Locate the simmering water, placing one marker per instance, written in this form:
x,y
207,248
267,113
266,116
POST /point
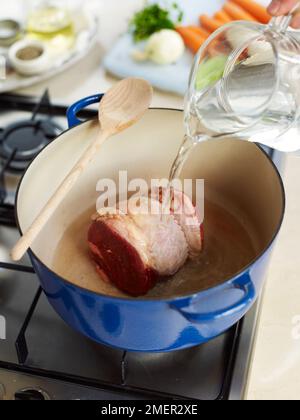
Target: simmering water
x,y
228,247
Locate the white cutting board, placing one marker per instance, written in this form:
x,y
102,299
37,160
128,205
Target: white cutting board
x,y
171,78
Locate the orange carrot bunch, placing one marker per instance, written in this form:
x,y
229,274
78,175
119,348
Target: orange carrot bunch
x,y
195,36
192,38
257,10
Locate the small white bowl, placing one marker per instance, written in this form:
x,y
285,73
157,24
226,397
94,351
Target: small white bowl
x,y
10,32
31,65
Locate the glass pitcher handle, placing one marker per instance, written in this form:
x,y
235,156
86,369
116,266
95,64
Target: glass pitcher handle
x,y
281,23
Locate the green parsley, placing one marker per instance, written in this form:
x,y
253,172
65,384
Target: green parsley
x,y
153,18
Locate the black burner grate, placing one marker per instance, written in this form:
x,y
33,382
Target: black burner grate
x,y
21,141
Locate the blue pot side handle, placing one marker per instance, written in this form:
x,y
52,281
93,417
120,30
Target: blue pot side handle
x,y
74,109
235,309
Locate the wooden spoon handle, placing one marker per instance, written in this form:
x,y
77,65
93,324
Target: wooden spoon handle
x,y
30,235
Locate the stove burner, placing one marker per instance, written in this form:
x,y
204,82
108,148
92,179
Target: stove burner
x,y
24,140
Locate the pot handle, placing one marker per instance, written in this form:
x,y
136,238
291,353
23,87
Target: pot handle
x,y
249,295
74,109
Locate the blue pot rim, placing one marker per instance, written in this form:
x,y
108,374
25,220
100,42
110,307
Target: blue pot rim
x,y
183,298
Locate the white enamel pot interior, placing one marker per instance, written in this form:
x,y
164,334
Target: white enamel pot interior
x,y
236,173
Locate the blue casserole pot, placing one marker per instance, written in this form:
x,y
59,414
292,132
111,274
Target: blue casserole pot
x,y
240,172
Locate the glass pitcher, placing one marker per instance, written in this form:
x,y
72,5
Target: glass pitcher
x,y
245,83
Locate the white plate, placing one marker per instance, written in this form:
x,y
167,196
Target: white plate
x,y
84,43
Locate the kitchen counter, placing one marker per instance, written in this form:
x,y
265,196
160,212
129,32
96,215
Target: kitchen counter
x,y
275,371
275,368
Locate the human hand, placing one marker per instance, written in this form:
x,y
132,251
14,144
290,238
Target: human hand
x,y
283,7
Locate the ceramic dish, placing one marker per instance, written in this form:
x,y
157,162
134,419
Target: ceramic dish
x,y
85,41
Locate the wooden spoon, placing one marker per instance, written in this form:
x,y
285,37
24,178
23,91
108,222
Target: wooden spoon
x,y
121,107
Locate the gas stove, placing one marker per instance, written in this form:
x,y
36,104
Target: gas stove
x,y
41,358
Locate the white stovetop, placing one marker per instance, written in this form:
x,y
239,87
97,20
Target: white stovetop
x,y
275,371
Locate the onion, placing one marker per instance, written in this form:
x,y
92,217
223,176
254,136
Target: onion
x,y
163,47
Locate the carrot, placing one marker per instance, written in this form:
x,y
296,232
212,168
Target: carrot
x,y
223,16
209,23
255,9
191,39
201,31
237,13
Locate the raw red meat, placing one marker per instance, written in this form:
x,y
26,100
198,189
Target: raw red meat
x,y
136,250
